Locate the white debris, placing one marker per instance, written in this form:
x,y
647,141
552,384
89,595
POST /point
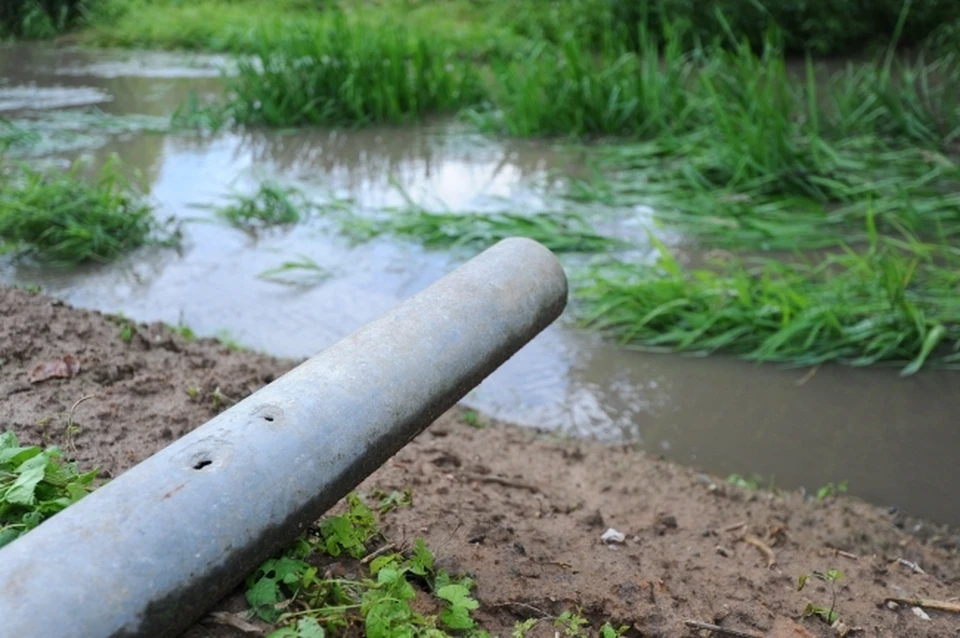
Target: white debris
x,y
613,536
919,613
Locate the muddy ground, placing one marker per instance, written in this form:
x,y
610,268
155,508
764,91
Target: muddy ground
x,y
522,511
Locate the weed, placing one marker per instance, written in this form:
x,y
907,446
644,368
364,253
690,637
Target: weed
x,y
127,332
64,220
193,392
472,418
186,332
829,614
219,401
35,484
272,205
30,289
831,490
290,590
228,341
394,500
752,483
572,624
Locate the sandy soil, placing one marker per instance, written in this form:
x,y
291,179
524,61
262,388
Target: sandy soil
x,y
520,510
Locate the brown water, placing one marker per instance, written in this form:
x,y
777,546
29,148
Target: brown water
x,y
893,439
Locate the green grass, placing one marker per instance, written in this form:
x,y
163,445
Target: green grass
x,y
560,232
13,135
40,19
346,73
893,302
64,219
35,484
271,205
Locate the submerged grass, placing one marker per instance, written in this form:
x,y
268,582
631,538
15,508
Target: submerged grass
x,y
560,232
63,219
271,205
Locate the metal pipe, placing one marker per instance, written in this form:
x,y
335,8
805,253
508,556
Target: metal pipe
x,y
148,553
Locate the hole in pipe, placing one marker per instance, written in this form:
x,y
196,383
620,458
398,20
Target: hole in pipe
x,y
268,418
199,465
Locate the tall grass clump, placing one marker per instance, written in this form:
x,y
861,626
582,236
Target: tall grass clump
x,y
63,219
38,19
574,90
349,73
884,304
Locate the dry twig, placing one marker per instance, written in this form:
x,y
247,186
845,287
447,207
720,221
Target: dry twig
x,y
939,605
383,550
722,631
520,485
764,549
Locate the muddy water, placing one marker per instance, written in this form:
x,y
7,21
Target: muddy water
x,y
891,438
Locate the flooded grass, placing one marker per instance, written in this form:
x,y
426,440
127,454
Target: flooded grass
x,y
560,232
271,205
883,304
63,219
12,135
349,74
301,271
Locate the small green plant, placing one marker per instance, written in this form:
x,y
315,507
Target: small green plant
x,y
63,219
385,502
128,328
30,289
752,483
291,592
573,625
831,489
228,341
272,205
35,484
829,614
472,418
183,330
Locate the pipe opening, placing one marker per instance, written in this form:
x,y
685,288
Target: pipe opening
x,y
202,463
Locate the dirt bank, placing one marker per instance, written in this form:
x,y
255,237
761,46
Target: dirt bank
x,y
520,510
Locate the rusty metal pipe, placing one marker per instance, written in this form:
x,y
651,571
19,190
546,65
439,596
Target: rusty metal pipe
x,y
148,553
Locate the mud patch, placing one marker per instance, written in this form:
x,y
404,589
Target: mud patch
x,y
520,510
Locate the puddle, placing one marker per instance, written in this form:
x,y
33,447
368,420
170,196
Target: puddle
x,y
891,438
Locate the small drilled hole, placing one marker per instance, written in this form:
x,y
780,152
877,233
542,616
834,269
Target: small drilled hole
x,y
268,418
202,464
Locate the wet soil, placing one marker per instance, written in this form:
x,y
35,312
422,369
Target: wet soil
x,y
521,510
